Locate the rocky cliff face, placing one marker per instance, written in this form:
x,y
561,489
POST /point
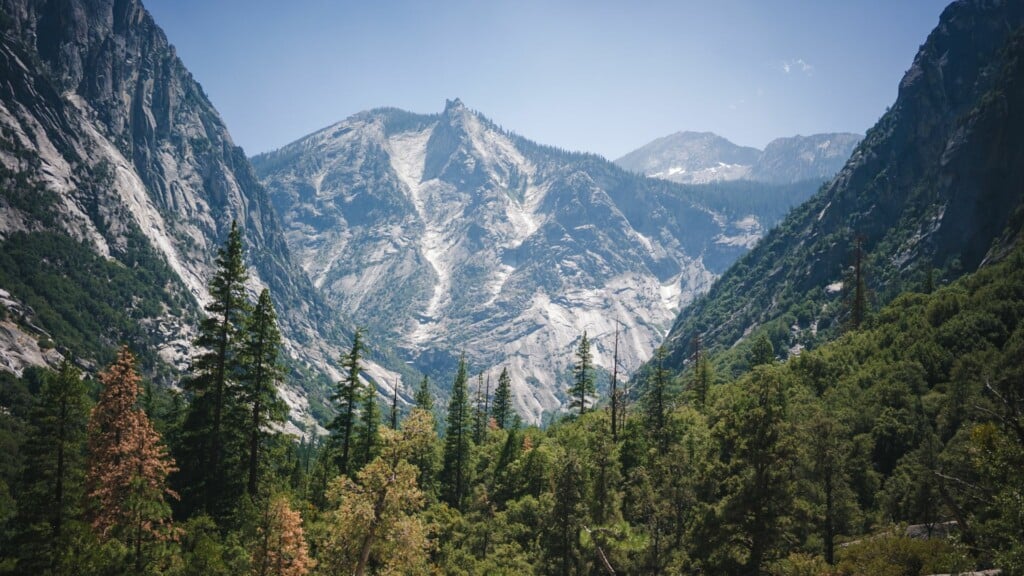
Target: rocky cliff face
x,y
703,157
101,118
446,234
937,185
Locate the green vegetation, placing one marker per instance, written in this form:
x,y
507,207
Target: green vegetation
x,y
812,465
77,295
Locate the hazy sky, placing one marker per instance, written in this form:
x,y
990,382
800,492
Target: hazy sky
x,y
596,76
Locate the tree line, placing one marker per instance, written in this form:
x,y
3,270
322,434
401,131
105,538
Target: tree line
x,y
815,465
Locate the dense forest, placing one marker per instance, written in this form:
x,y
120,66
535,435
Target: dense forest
x,y
896,449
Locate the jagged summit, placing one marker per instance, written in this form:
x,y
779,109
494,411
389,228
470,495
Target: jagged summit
x,y
453,105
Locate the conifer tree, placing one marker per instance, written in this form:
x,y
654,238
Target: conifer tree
x,y
126,476
583,380
614,387
262,372
480,410
562,533
455,473
281,548
701,373
394,407
501,410
212,430
656,400
424,400
367,434
347,396
759,456
54,467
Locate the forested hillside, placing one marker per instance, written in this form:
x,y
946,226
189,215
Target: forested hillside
x,y
812,466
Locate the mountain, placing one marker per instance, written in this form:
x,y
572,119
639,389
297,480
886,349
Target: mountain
x,y
935,190
691,158
702,157
120,182
445,234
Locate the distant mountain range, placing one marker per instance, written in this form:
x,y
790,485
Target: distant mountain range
x,y
702,157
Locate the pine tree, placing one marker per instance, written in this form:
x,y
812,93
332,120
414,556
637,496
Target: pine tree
x,y
212,429
367,433
614,387
656,400
54,467
480,410
347,396
562,534
281,548
394,407
262,372
455,473
583,380
701,374
759,454
126,477
855,287
424,400
502,407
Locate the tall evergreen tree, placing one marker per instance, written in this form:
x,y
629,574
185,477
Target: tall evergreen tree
x,y
367,433
855,287
756,440
126,477
583,380
614,387
262,373
394,407
54,467
424,400
701,374
455,473
212,427
480,415
347,396
501,410
562,551
656,400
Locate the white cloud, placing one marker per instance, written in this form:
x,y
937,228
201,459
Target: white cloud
x,y
798,65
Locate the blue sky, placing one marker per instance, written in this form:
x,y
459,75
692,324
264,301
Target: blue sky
x,y
595,76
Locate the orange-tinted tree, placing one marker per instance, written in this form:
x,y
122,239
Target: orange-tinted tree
x,y
126,476
281,549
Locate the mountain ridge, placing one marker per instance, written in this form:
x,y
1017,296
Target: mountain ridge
x,y
703,157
